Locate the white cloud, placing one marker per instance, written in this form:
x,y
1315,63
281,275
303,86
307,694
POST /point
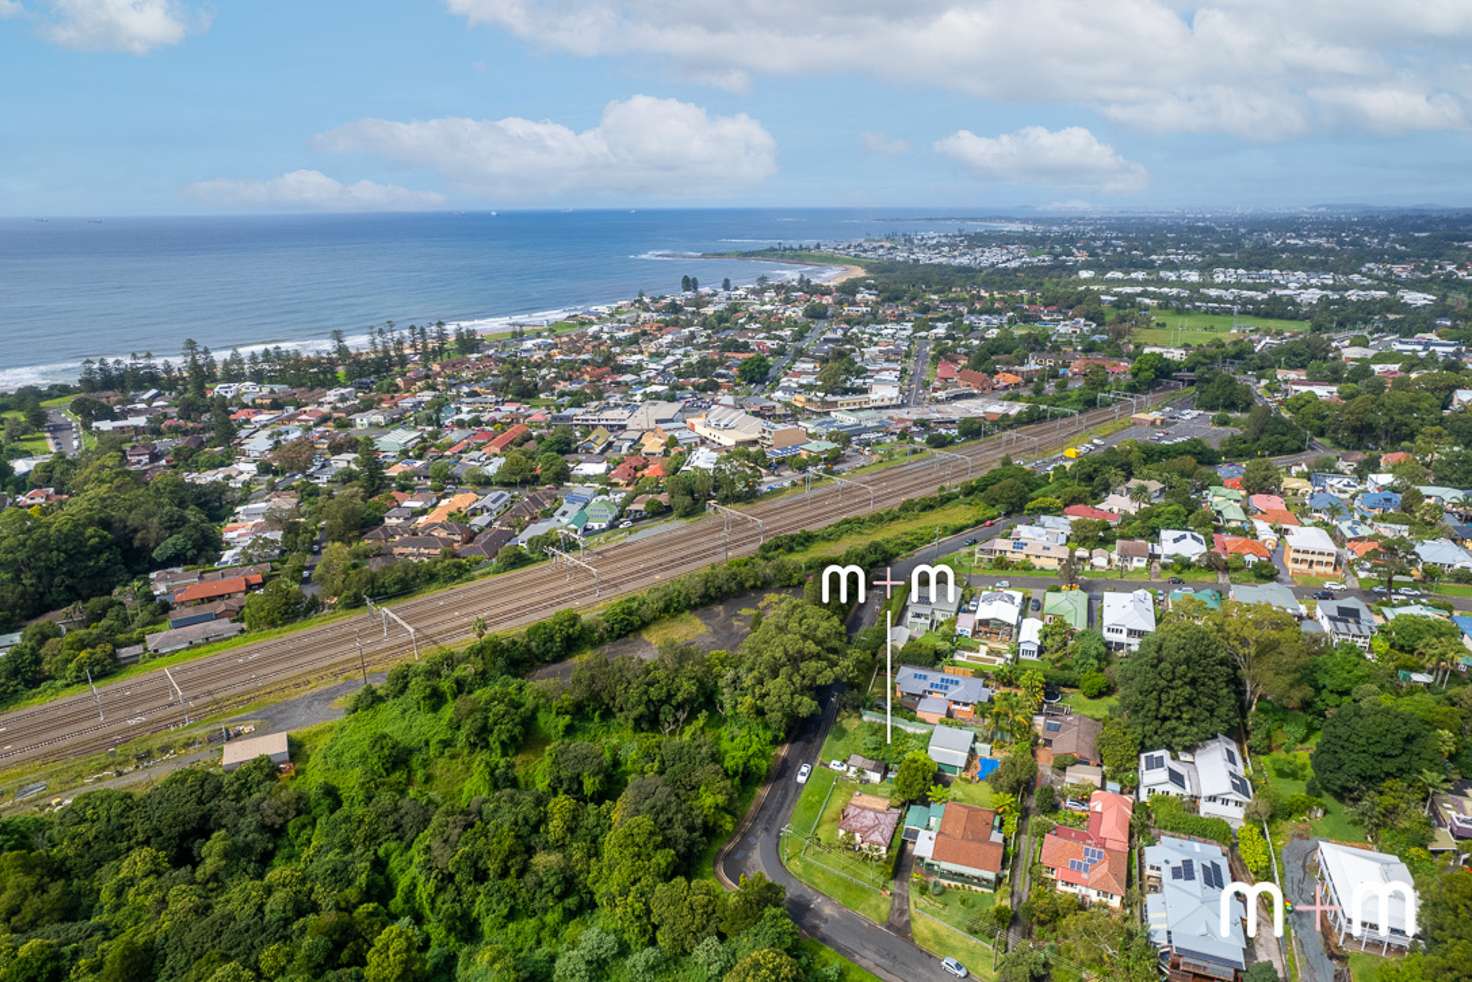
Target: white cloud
x,y
884,146
9,8
310,190
1391,109
641,145
133,26
1247,67
1066,158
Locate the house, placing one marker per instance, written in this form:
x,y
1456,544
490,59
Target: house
x,y
922,818
1310,551
935,695
1181,544
1043,552
1451,819
1184,882
998,613
950,748
1132,554
1346,620
1092,863
1069,606
1343,872
868,823
1078,865
967,848
208,591
177,639
869,771
1273,594
1075,735
1090,513
1444,553
270,745
931,606
1212,775
1127,618
1030,639
1252,551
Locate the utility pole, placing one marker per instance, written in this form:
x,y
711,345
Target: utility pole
x,y
727,514
953,456
386,614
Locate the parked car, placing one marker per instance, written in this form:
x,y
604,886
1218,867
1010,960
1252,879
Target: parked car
x,y
1037,604
803,772
837,765
1175,580
1003,584
1380,590
1323,594
970,542
954,967
1334,586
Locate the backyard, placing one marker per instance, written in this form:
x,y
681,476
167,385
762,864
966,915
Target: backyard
x,y
811,852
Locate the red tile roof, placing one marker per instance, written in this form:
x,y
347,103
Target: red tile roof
x,y
212,589
965,838
1090,512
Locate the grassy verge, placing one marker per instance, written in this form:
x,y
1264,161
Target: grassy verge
x,y
933,927
824,957
943,517
1365,967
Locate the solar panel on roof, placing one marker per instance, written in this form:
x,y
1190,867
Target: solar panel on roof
x,y
1178,779
1093,855
1231,757
1240,785
1154,761
1175,872
1212,874
1075,865
1188,870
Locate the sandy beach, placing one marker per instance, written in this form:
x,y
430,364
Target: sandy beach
x,y
847,273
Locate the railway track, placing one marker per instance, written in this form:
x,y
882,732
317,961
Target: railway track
x,y
152,702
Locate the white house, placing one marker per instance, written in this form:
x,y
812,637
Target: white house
x,y
1212,776
1181,544
1128,617
1030,639
1355,880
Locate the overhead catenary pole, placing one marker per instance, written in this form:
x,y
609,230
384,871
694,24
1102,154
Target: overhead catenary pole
x,y
575,561
179,692
845,482
95,697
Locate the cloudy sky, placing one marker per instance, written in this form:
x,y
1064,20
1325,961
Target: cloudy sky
x,y
190,106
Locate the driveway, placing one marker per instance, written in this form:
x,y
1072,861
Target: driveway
x,y
1314,963
899,904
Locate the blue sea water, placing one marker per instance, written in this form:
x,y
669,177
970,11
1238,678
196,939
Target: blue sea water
x,y
73,288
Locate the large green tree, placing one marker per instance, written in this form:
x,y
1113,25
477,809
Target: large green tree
x,y
1180,688
1365,744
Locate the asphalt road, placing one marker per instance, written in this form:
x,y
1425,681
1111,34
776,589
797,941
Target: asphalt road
x,y
61,433
757,847
919,368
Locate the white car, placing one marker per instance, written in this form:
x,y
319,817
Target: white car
x,y
954,968
837,765
803,772
1003,584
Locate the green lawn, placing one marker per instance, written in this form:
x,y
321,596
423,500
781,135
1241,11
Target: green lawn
x,y
825,865
674,630
937,924
1094,708
1115,574
978,793
1336,823
1176,328
1194,575
1452,589
1365,967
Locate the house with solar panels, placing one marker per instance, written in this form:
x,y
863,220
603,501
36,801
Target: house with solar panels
x,y
1184,881
1212,776
1092,863
934,695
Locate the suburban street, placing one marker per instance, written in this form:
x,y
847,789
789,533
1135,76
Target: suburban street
x,y
919,369
757,847
61,433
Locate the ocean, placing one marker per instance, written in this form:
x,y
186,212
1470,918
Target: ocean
x,y
74,288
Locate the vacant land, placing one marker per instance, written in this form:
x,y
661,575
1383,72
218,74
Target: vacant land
x,y
1174,328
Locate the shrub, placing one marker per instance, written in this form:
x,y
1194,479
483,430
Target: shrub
x,y
1170,815
1093,684
1254,850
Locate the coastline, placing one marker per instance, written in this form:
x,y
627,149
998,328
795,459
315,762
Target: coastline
x,y
494,327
